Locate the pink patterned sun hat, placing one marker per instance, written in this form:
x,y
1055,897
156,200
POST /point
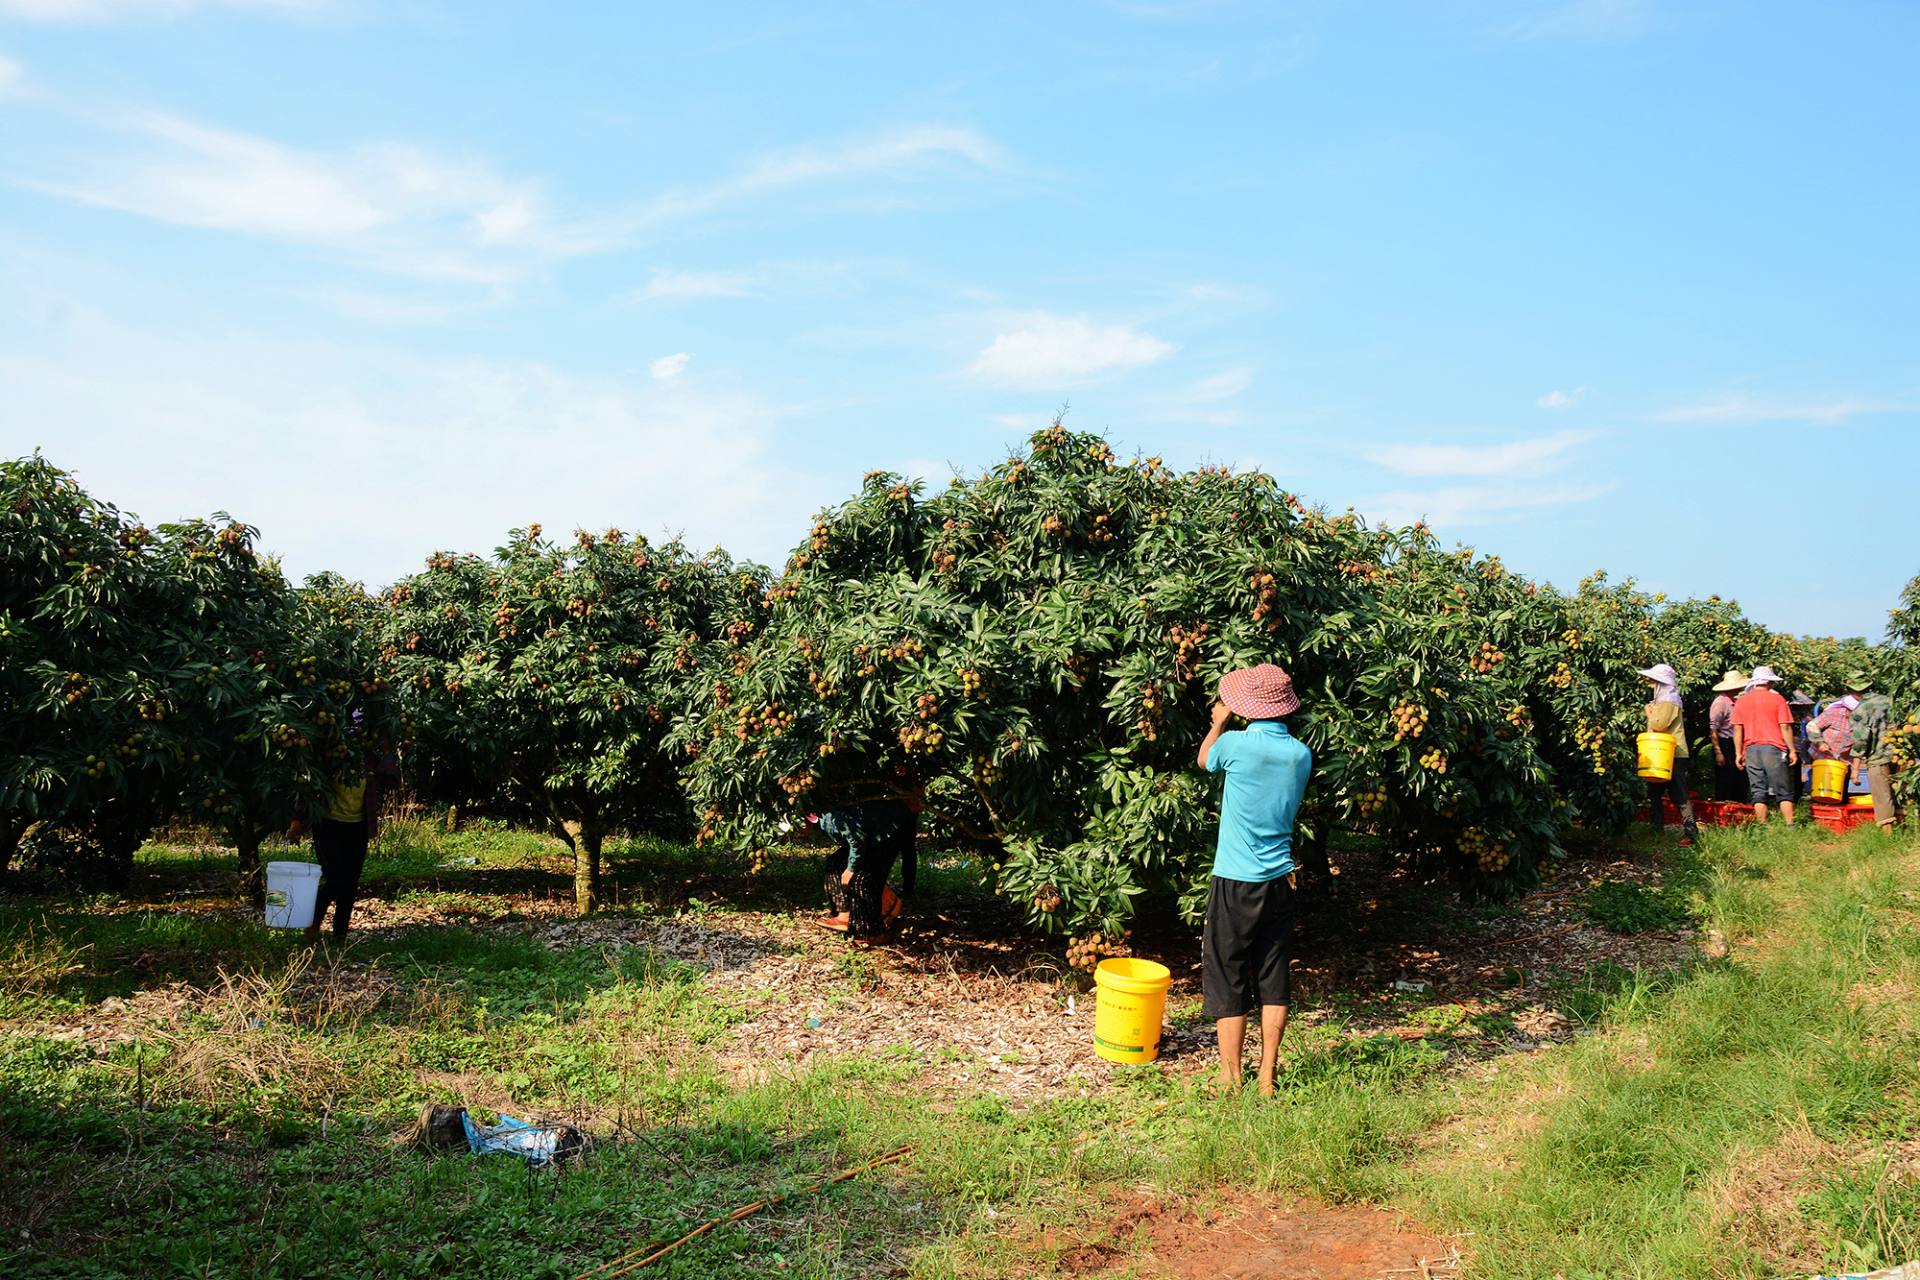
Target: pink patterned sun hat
x,y
1264,692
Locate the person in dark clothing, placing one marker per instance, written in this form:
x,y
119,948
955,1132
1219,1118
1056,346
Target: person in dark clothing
x,y
1798,778
871,838
345,827
1729,779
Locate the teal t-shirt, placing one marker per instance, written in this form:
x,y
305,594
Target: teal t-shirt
x,y
1266,770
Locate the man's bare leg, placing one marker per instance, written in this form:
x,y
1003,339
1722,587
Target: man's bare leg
x,y
1759,813
1273,1025
1233,1036
1786,812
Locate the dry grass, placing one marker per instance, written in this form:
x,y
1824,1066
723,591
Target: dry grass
x,y
244,1036
1756,1199
34,960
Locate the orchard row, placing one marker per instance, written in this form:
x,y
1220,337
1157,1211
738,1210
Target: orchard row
x,y
1032,652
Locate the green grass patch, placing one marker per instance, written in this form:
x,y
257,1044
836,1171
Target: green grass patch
x,y
250,1135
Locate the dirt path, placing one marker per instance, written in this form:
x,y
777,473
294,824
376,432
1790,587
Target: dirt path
x,y
1251,1239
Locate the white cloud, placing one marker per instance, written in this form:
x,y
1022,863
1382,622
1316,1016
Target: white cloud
x,y
1515,458
1224,385
1743,408
12,76
1045,349
1460,506
383,308
431,452
387,205
101,11
701,284
895,153
668,284
1555,400
398,208
667,368
1205,402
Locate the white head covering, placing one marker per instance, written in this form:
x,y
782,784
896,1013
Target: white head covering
x,y
1663,675
1763,674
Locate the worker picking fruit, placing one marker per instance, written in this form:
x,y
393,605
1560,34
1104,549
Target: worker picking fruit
x,y
1249,928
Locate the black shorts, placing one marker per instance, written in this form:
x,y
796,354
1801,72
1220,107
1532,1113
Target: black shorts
x,y
1246,947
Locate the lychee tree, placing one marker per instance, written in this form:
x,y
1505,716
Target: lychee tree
x,y
1900,673
1035,651
266,687
541,682
154,673
82,608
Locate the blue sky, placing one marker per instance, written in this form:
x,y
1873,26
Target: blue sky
x,y
1589,283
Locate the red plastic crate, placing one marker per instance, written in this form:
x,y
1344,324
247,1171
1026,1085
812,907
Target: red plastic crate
x,y
1842,817
1722,813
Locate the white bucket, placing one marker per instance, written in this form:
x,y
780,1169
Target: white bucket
x,y
292,889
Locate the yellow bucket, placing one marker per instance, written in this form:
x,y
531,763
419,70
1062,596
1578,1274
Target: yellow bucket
x,y
1830,780
1126,1017
1656,756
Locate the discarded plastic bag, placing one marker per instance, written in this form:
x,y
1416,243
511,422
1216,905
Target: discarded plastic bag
x,y
444,1128
534,1143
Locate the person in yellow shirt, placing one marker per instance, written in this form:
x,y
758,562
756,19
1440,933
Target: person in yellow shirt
x,y
348,818
1666,713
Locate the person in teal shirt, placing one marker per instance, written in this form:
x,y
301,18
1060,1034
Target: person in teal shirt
x,y
1245,949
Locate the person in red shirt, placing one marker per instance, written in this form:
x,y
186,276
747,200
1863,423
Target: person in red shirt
x,y
1763,744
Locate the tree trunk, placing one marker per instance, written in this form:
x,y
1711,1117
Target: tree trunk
x,y
586,838
246,843
1313,853
12,828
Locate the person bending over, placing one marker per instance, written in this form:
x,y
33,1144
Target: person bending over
x,y
871,838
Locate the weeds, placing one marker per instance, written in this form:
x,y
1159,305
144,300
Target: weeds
x,y
34,960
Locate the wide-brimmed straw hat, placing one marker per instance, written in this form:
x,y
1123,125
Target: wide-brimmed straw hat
x,y
1733,682
1763,674
1859,682
1264,692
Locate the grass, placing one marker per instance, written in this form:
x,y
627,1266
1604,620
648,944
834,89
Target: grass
x,y
1692,1075
1673,902
1724,1118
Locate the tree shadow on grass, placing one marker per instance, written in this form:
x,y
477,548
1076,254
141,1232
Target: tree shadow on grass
x,y
93,1184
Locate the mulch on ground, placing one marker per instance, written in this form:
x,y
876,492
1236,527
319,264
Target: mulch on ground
x,y
970,1001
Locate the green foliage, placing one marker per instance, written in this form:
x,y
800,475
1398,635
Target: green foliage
x,y
82,605
1031,653
158,672
146,673
1627,907
541,682
1034,652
